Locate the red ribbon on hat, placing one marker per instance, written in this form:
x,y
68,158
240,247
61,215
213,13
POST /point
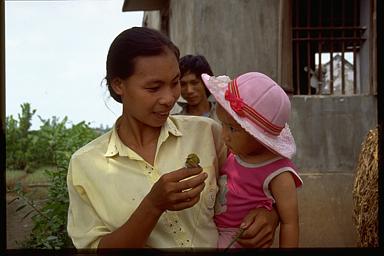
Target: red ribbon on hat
x,y
241,108
237,104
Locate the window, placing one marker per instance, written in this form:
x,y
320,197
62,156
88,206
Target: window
x,y
327,41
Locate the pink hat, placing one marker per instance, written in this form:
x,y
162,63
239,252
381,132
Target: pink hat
x,y
259,105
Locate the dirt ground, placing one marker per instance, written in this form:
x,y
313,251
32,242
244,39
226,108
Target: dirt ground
x,y
17,228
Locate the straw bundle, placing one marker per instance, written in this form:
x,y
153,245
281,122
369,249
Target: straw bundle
x,y
365,192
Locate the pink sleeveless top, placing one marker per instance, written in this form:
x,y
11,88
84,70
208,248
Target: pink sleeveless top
x,y
245,186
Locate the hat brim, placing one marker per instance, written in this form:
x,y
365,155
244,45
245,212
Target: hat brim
x,y
283,144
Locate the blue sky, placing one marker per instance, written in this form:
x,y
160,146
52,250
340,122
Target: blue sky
x,y
55,57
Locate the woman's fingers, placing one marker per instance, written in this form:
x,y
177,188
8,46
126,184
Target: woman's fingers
x,y
181,174
261,239
260,227
191,182
179,189
188,201
191,193
187,198
184,179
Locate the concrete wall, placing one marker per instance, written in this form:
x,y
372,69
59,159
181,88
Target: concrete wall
x,y
325,207
152,19
329,131
238,36
235,36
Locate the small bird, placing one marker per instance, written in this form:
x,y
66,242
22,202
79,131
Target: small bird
x,y
192,161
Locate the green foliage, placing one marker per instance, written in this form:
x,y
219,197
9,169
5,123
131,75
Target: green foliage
x,y
53,232
18,139
49,229
52,145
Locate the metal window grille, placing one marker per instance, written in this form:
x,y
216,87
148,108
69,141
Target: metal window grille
x,y
327,37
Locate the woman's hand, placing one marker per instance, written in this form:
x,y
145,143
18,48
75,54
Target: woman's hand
x,y
173,191
260,226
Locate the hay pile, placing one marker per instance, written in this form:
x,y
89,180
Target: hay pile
x,y
365,193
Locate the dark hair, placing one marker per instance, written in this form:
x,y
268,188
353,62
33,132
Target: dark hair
x,y
197,65
130,44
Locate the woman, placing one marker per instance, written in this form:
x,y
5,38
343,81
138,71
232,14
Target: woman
x,y
129,188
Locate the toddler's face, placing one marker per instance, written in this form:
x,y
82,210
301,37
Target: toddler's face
x,y
239,141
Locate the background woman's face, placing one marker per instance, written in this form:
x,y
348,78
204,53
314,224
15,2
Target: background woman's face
x,y
150,93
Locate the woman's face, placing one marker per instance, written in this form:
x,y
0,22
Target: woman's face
x,y
150,93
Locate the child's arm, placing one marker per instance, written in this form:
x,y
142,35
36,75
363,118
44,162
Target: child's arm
x,y
284,192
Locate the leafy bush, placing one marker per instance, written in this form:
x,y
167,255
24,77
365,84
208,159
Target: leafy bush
x,y
18,139
53,144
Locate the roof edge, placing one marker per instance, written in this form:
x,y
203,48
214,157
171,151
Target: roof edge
x,y
143,5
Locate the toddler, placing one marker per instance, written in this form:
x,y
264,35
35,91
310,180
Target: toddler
x,y
258,172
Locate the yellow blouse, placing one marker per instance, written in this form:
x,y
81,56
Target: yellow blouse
x,y
107,181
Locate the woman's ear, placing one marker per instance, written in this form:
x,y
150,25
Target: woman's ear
x,y
117,86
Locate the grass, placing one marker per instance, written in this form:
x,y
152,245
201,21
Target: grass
x,y
12,177
38,176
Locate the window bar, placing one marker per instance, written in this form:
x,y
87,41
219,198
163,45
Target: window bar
x,y
342,50
320,74
319,45
338,39
334,28
297,35
297,68
308,48
355,16
372,60
331,54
